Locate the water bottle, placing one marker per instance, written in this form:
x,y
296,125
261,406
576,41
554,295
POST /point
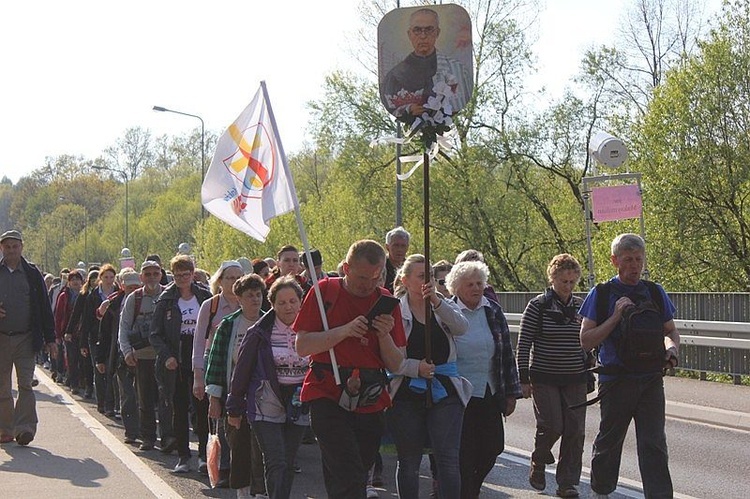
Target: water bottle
x,y
296,408
296,402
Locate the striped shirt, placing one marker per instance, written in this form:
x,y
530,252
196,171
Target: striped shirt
x,y
549,347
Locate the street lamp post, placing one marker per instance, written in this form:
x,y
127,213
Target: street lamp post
x,y
125,177
203,135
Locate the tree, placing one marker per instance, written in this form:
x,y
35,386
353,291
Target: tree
x,y
694,145
132,153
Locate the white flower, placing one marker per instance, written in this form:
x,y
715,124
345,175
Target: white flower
x,y
442,88
433,103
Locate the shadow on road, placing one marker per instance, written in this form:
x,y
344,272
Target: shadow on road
x,y
42,463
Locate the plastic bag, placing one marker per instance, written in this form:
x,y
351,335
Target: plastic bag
x,y
213,454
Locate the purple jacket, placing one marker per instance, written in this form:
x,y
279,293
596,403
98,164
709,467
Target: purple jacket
x,y
255,389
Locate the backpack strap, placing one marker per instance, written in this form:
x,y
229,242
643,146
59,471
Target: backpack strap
x,y
603,290
656,296
331,292
138,299
544,304
212,313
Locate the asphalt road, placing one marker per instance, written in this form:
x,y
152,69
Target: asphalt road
x,y
79,453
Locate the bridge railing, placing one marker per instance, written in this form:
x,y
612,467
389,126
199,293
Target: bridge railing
x,y
706,346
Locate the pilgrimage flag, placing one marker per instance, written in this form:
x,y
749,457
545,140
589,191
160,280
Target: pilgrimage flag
x,y
246,184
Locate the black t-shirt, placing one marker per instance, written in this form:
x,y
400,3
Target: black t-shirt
x,y
415,349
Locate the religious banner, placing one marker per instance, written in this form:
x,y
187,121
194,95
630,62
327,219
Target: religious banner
x,y
425,67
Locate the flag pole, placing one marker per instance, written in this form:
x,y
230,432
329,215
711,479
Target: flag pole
x,y
302,232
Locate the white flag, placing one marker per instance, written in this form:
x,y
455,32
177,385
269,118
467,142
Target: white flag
x,y
246,184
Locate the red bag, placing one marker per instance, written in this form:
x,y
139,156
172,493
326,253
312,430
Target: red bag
x,y
213,454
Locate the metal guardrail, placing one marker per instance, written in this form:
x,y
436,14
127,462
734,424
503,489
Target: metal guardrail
x,y
706,346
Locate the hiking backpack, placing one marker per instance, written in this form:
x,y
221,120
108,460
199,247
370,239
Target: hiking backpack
x,y
639,337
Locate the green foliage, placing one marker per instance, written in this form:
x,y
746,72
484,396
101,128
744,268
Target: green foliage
x,y
694,147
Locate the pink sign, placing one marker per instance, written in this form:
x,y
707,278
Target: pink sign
x,y
617,202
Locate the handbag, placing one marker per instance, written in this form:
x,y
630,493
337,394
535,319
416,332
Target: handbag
x,y
213,453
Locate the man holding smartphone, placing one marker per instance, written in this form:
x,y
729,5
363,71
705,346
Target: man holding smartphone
x,y
348,419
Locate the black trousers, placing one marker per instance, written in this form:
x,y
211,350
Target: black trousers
x,y
348,443
482,440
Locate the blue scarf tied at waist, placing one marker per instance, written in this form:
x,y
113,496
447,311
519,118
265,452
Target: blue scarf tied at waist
x,y
419,385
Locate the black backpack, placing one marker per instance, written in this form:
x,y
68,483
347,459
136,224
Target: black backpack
x,y
639,338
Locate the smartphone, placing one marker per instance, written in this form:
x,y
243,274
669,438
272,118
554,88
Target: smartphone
x,y
384,305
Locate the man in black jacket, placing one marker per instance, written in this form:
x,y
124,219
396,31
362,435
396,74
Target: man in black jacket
x,y
26,325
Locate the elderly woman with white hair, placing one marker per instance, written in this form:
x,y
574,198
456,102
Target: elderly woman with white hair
x,y
485,357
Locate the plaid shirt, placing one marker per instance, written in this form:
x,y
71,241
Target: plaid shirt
x,y
219,357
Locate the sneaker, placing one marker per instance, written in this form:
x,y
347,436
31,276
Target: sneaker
x,y
566,491
202,466
130,440
372,493
168,445
182,466
223,482
146,445
244,493
537,477
24,438
47,365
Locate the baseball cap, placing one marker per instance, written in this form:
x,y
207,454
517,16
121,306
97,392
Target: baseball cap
x,y
131,279
11,234
149,263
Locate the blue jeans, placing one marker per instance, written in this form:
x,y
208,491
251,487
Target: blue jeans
x,y
411,423
279,443
626,399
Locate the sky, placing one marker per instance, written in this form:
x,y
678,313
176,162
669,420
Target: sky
x,y
77,74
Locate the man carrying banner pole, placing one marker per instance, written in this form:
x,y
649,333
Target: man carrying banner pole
x,y
247,184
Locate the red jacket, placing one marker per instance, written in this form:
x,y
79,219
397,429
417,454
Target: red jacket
x,y
63,311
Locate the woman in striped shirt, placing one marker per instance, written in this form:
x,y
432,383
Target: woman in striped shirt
x,y
551,364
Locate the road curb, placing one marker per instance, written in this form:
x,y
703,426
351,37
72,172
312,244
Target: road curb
x,y
710,415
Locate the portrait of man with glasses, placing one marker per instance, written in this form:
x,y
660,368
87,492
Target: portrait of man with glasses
x,y
434,60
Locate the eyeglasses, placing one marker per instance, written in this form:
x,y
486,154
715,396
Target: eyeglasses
x,y
423,30
182,275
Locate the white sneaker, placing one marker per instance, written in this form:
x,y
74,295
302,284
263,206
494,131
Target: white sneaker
x,y
372,492
183,465
244,493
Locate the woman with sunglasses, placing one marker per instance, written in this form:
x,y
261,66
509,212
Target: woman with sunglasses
x,y
555,377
